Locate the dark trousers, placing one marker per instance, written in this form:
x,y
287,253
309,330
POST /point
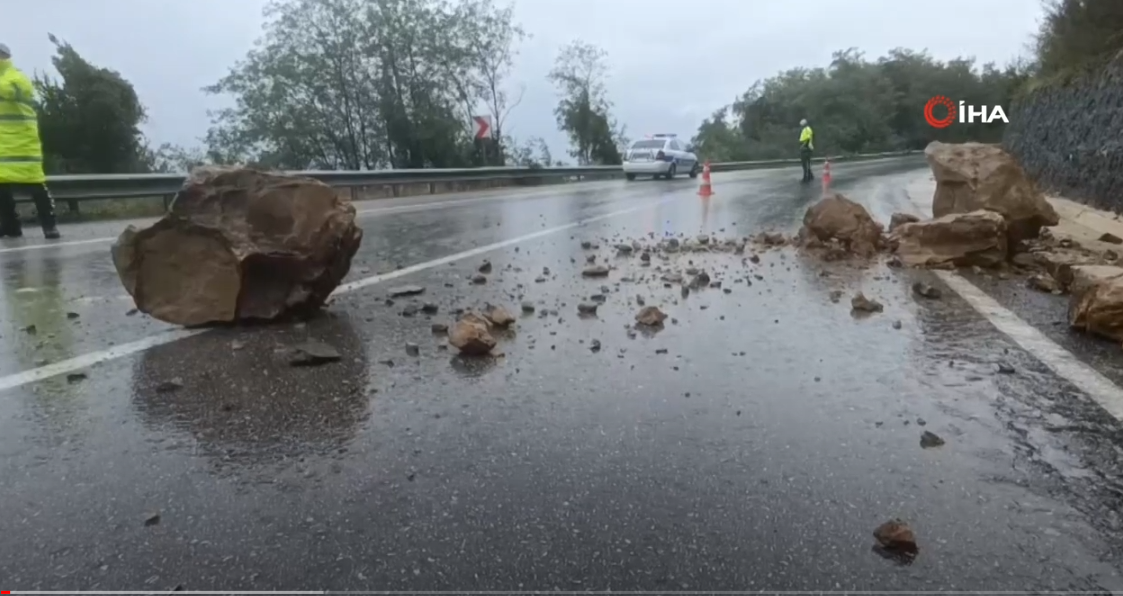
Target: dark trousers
x,y
44,207
805,161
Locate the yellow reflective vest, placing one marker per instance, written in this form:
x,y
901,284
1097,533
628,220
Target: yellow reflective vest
x,y
21,153
807,138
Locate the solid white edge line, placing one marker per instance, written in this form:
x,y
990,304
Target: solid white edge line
x,y
87,360
1062,362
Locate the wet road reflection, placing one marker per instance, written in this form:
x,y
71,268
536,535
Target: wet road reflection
x,y
753,443
241,400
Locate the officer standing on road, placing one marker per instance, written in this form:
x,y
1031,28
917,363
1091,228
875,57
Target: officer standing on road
x,y
806,146
21,152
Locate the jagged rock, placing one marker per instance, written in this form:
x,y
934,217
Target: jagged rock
x,y
439,328
312,353
1110,238
1082,277
897,537
974,176
703,239
400,291
471,336
585,244
772,239
1096,304
1043,282
595,271
956,240
650,316
624,248
528,307
926,291
587,308
239,244
899,219
479,279
498,316
485,267
840,219
859,303
930,439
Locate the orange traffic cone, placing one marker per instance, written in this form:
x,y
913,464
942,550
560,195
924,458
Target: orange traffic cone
x,y
826,176
706,190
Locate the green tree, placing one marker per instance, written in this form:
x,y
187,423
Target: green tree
x,y
366,84
89,118
1075,33
856,106
579,76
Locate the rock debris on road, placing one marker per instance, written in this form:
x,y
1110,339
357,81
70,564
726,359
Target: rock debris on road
x,y
545,428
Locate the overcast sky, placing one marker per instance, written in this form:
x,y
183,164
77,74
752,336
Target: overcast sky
x,y
673,62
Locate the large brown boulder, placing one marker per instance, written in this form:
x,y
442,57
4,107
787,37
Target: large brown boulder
x,y
1096,304
973,176
956,240
840,219
239,244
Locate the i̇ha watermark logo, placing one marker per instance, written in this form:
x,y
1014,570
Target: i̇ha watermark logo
x,y
960,113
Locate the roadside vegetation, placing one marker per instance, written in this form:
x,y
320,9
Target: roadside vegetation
x,y
859,105
363,84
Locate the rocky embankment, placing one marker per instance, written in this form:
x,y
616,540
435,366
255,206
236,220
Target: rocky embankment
x,y
1067,137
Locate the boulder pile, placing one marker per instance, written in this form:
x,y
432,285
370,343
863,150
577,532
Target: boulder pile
x,y
239,244
974,176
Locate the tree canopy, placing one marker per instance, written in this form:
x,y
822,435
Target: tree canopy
x,y
1078,33
856,105
579,76
89,118
367,84
370,84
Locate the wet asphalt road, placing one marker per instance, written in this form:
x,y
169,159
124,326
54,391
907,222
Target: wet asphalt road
x,y
752,444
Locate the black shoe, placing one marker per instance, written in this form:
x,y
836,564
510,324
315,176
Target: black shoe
x,y
51,234
11,234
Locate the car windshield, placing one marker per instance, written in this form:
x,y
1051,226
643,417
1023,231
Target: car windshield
x,y
648,145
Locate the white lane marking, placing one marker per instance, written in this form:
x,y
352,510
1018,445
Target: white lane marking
x,y
87,360
56,244
1061,361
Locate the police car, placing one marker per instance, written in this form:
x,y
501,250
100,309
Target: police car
x,y
661,155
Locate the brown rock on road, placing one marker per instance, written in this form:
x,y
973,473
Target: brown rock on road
x,y
956,240
1096,304
650,316
840,219
471,336
239,244
974,176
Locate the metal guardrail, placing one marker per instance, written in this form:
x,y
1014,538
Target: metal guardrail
x,y
123,186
